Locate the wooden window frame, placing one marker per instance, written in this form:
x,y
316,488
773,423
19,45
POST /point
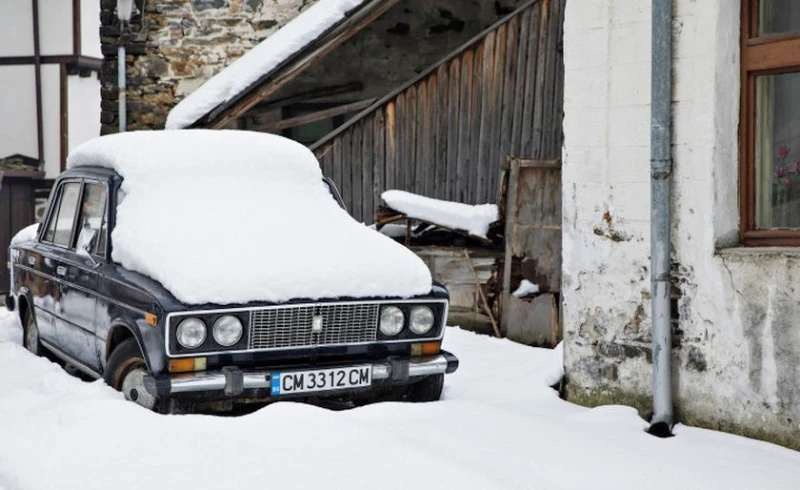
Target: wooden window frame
x,y
760,55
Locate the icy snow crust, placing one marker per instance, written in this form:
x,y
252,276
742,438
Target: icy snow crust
x,y
233,216
474,219
260,60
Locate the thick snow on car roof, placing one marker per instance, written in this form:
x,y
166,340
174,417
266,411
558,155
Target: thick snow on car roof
x,y
234,216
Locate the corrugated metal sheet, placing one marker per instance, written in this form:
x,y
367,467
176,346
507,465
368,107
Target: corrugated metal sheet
x,y
448,133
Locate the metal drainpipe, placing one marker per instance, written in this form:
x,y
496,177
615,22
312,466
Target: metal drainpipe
x,y
121,82
660,177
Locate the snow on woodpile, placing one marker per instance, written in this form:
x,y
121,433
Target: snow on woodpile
x,y
236,216
259,61
474,219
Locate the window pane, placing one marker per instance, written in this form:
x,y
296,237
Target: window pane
x,y
51,226
93,211
66,214
778,151
778,17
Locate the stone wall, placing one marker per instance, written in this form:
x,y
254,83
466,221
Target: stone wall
x,y
736,349
177,45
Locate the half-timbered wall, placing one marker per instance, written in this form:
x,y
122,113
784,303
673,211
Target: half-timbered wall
x,y
447,133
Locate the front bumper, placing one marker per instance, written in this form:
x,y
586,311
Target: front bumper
x,y
232,382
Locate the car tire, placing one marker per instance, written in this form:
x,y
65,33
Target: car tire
x,y
30,335
125,372
427,390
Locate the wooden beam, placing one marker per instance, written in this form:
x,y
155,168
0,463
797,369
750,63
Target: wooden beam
x,y
76,27
220,117
64,120
310,95
316,116
86,62
37,63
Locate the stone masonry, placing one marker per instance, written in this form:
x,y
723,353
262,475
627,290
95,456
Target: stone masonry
x,y
179,44
175,46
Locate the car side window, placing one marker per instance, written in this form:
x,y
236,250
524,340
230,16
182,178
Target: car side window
x,y
59,228
92,218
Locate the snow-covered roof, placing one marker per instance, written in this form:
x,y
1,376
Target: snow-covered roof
x,y
235,216
260,61
474,219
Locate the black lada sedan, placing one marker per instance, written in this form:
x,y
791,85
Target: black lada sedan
x,y
181,267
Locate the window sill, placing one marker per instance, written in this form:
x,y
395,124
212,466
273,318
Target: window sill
x,y
758,251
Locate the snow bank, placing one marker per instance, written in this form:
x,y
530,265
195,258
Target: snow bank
x,y
473,219
499,427
26,234
235,216
259,61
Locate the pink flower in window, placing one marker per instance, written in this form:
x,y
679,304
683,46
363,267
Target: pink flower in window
x,y
781,171
783,151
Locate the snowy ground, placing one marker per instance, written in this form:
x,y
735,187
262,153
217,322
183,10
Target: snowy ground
x,y
499,426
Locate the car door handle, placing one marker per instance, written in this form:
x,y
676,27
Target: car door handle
x,y
61,270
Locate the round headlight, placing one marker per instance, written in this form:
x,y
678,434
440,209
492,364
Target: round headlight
x,y
392,319
227,330
191,332
421,320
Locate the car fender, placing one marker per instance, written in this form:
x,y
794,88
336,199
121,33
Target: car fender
x,y
150,359
23,294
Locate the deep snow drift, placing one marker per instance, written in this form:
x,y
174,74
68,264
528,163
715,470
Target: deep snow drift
x,y
499,427
236,216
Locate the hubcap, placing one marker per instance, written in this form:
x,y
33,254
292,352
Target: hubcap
x,y
32,337
134,390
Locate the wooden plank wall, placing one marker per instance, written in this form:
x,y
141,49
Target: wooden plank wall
x,y
447,134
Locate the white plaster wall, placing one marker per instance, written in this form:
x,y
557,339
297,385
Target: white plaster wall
x,y
55,26
738,364
84,109
90,29
17,111
16,29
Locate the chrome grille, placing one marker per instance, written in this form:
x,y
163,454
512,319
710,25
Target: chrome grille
x,y
287,327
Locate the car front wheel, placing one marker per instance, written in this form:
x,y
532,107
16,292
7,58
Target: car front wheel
x,y
125,372
30,332
427,390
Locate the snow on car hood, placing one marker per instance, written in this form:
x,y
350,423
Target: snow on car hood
x,y
235,216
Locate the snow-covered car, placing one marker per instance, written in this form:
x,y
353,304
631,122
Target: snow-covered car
x,y
191,268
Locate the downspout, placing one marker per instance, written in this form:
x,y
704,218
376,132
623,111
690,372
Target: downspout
x,y
124,12
122,86
660,177
37,62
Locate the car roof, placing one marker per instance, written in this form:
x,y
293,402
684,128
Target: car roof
x,y
101,173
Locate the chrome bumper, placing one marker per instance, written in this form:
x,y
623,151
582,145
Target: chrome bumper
x,y
233,381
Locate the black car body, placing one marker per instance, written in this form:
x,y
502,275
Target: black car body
x,y
111,322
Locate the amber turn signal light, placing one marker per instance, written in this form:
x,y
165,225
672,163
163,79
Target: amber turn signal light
x,y
187,364
151,319
425,348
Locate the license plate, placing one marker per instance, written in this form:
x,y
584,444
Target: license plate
x,y
320,380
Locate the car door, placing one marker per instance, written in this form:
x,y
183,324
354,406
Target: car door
x,y
81,276
54,242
